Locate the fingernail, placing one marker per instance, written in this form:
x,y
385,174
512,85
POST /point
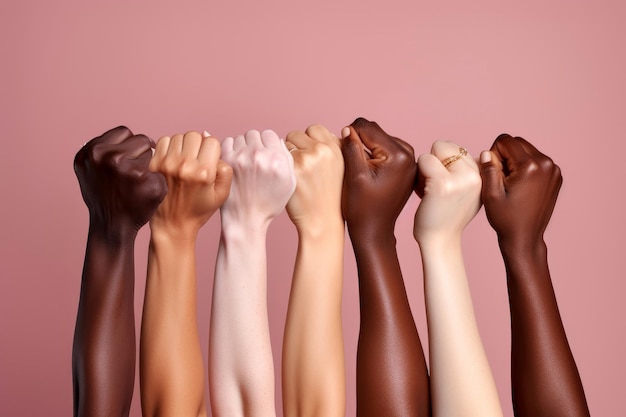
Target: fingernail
x,y
345,132
485,157
153,150
205,134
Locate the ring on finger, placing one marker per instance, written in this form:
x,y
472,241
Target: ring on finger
x,y
449,161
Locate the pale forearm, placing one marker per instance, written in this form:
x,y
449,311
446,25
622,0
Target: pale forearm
x,y
241,368
171,361
313,359
461,379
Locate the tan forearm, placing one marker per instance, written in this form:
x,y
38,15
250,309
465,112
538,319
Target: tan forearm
x,y
172,373
313,357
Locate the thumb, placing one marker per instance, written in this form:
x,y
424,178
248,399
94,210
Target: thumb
x,y
223,177
492,175
352,149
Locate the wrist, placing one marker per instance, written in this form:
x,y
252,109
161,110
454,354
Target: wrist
x,y
439,242
320,230
112,235
521,246
177,233
372,239
370,230
244,231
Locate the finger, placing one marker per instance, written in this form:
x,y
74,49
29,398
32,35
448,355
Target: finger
x,y
239,143
159,154
209,152
529,147
133,147
191,144
223,177
270,139
176,145
492,174
253,139
300,140
508,148
352,149
405,145
320,133
290,158
114,136
452,155
372,135
429,166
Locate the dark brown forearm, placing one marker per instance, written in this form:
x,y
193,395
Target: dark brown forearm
x,y
544,375
392,378
103,357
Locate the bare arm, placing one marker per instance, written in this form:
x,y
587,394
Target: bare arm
x,y
241,370
461,379
121,195
392,379
313,359
172,373
520,188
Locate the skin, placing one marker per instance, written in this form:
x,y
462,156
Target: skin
x,y
313,358
241,369
172,372
121,194
380,171
520,189
461,382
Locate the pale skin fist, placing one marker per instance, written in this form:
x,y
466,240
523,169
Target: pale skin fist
x,y
119,190
263,177
450,196
319,172
198,181
520,189
379,176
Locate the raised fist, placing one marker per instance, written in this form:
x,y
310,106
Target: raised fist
x,y
119,190
379,178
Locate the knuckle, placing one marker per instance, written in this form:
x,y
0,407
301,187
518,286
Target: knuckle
x,y
293,134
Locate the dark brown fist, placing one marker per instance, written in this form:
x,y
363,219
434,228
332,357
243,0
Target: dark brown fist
x,y
520,188
380,173
119,190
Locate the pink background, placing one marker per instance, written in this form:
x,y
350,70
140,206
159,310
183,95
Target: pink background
x,y
552,72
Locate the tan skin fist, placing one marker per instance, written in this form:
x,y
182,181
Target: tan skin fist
x,y
198,181
319,167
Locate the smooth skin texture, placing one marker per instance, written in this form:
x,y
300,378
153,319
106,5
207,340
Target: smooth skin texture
x,y
121,194
461,382
241,369
520,189
172,372
380,172
313,371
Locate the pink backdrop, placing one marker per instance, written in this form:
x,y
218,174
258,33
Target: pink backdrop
x,y
467,71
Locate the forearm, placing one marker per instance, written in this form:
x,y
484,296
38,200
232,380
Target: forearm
x,y
392,378
313,357
172,372
544,375
103,357
241,370
461,379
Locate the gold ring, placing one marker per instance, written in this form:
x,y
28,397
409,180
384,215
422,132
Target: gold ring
x,y
449,161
